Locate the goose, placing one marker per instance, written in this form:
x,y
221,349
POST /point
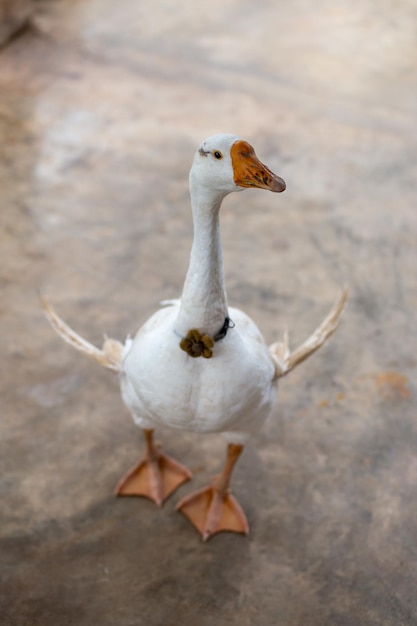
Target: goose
x,y
198,364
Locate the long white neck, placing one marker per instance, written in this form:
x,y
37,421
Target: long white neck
x,y
203,300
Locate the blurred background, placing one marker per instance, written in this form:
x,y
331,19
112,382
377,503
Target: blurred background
x,y
102,106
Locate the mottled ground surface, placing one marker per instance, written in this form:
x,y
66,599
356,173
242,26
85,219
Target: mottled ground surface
x,y
102,105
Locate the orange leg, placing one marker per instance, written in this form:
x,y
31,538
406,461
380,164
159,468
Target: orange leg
x,y
213,508
156,476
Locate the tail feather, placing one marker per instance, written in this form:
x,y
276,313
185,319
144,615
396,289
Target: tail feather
x,y
110,356
285,361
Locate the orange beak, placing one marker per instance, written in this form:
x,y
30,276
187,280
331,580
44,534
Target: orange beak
x,y
250,172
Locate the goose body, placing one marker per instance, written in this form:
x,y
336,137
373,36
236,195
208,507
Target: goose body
x,y
196,364
232,392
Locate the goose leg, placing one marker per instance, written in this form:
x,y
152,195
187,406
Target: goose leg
x,y
156,476
214,509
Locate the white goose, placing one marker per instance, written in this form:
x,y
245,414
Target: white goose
x,y
197,364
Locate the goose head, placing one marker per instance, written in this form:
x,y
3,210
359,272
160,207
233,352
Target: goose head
x,y
225,163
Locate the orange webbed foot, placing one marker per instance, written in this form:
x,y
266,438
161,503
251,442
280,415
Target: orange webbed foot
x,y
156,476
212,512
213,509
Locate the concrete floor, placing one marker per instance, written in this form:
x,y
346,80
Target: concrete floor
x,y
102,105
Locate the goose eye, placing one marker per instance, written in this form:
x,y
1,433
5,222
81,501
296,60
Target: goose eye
x,y
217,155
